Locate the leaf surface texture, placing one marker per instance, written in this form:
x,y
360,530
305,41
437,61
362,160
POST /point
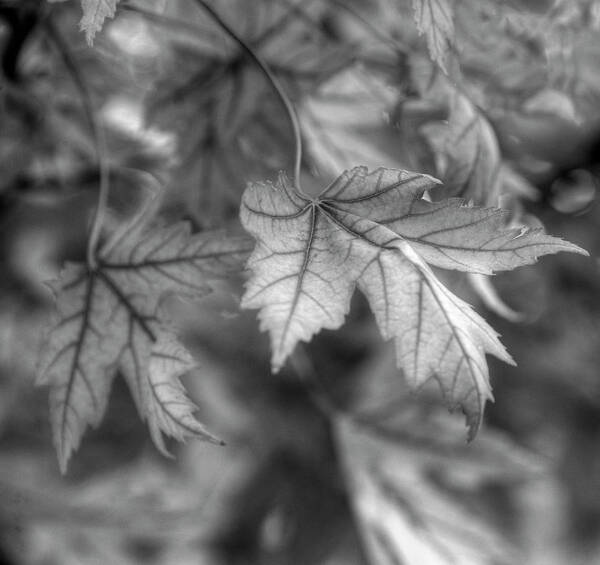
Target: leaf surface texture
x,y
375,231
111,319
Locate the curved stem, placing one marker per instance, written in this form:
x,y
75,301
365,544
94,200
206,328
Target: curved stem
x,y
99,139
102,204
293,117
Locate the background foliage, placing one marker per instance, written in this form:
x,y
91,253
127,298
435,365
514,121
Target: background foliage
x,y
498,99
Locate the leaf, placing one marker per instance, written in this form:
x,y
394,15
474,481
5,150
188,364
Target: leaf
x,y
505,49
467,153
435,19
162,396
434,439
375,231
110,319
403,515
344,121
231,95
483,287
94,14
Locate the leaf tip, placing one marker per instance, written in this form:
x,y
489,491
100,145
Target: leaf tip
x,y
159,442
434,180
64,456
210,438
502,353
579,250
279,356
474,421
472,432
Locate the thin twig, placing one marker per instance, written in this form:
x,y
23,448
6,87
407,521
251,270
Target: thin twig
x,y
272,80
99,140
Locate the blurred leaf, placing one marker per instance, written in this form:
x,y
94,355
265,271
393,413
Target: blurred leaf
x,y
501,52
406,518
128,514
469,148
376,231
110,319
553,102
574,193
435,19
434,440
484,288
213,96
347,120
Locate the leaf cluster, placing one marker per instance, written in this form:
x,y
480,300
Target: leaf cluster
x,y
386,97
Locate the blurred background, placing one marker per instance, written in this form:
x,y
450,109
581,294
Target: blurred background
x,y
333,460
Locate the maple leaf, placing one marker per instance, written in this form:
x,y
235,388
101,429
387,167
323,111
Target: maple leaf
x,y
435,19
94,14
375,231
110,319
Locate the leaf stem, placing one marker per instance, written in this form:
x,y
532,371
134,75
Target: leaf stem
x,y
99,141
263,66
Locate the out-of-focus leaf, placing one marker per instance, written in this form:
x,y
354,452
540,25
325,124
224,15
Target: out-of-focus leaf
x,y
575,193
403,516
467,154
376,231
573,68
429,436
501,54
433,439
484,288
110,319
516,186
435,19
518,52
552,102
347,120
213,97
124,515
94,14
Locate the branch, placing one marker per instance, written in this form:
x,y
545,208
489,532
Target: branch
x,y
99,140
